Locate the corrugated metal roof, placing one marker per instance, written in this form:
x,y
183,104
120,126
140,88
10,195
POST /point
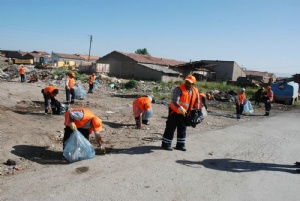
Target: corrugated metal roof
x,y
152,60
68,56
160,68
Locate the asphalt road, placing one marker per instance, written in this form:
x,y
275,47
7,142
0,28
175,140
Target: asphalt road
x,y
253,160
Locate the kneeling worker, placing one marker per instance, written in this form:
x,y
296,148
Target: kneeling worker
x,y
86,122
49,97
142,110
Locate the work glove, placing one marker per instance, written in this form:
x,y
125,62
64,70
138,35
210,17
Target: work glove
x,y
182,111
67,88
268,101
72,126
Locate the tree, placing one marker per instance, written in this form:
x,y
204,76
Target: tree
x,y
142,51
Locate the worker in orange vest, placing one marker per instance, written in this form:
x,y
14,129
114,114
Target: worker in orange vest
x,y
269,99
202,100
49,94
85,121
142,110
185,98
22,73
91,83
239,104
70,91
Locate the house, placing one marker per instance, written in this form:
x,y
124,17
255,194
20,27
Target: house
x,y
38,57
137,66
59,59
88,58
225,70
197,69
262,77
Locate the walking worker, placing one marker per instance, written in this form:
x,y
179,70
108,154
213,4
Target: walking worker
x,y
49,94
22,73
258,96
185,98
91,83
86,122
269,99
239,104
70,91
142,110
202,100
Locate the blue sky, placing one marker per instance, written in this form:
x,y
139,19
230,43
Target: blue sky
x,y
261,35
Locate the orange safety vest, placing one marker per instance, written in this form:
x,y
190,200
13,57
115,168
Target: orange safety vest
x,y
22,70
50,90
185,99
270,94
91,79
202,96
87,115
71,82
143,103
241,97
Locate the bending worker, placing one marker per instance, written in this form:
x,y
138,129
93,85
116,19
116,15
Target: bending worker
x,y
269,99
142,110
49,94
91,83
202,100
70,84
185,98
86,122
239,104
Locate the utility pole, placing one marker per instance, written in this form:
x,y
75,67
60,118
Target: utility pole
x,y
91,39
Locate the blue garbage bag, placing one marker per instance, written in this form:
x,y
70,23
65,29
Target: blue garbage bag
x,y
248,109
78,148
80,92
96,84
147,114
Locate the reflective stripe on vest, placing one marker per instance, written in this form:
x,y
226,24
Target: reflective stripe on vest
x,y
270,95
87,116
185,99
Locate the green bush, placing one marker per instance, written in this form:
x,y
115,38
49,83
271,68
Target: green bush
x,y
130,84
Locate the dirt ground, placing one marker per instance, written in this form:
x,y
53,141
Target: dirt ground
x,y
34,140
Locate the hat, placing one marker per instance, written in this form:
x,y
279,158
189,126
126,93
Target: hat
x,y
242,89
190,79
150,98
268,87
97,124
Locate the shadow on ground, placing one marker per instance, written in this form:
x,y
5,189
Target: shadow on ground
x,y
238,166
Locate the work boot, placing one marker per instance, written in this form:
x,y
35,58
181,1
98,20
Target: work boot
x,y
267,114
167,148
298,170
72,101
180,147
145,122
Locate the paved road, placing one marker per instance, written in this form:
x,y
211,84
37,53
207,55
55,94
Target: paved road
x,y
249,161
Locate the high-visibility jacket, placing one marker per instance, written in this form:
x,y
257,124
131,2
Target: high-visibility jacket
x,y
270,95
70,82
185,99
202,96
49,90
241,97
91,79
143,103
87,120
22,70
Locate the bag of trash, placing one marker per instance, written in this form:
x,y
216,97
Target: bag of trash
x,y
147,114
248,109
204,112
78,148
96,84
80,93
192,119
59,108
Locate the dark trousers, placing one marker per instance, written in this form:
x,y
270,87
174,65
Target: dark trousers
x,y
72,93
53,101
91,86
68,131
172,123
239,109
268,107
22,77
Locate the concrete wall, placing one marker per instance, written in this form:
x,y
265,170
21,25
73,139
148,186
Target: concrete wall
x,y
226,70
